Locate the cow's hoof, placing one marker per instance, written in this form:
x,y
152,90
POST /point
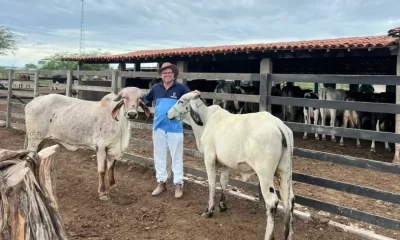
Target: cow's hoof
x,y
222,207
304,137
316,138
341,144
333,140
359,145
207,213
104,198
387,149
372,149
114,188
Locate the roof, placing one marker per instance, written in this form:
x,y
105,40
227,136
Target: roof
x,y
336,43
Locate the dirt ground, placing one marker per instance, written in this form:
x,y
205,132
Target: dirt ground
x,y
364,177
132,213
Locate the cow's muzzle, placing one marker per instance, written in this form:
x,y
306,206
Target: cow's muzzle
x,y
130,115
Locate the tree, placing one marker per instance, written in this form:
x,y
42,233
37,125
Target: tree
x,y
54,62
8,40
30,66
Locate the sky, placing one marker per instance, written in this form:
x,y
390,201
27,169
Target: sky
x,y
47,27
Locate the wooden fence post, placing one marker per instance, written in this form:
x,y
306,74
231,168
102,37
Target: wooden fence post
x,y
264,106
396,158
36,86
114,82
9,97
68,90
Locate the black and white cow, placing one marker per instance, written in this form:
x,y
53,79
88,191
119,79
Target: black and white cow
x,y
383,121
356,119
311,113
289,112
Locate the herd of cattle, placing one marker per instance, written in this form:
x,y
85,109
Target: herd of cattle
x,y
318,116
309,115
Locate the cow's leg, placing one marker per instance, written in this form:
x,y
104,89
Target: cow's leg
x,y
387,147
271,201
384,128
224,182
101,168
373,141
358,124
209,160
316,118
306,119
110,172
323,119
345,124
333,119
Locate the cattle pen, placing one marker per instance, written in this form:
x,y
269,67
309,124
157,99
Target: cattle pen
x,y
384,213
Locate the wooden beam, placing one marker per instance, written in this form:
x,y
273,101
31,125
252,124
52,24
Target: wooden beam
x,y
396,158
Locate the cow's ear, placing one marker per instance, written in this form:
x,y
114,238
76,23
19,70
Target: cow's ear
x,y
115,111
145,109
119,96
196,117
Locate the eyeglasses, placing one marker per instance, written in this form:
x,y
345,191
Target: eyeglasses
x,y
165,73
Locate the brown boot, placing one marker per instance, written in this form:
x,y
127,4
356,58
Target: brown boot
x,y
178,190
161,187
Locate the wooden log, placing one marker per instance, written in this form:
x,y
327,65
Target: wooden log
x,y
28,205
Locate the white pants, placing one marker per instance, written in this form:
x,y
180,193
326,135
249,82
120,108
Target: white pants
x,y
162,141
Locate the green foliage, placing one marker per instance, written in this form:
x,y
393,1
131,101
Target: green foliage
x,y
8,40
54,62
30,66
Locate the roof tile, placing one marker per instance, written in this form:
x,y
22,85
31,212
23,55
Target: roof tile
x,y
350,42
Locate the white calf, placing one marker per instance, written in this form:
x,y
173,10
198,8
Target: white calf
x,y
260,143
103,126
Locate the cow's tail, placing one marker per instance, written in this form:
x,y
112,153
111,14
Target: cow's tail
x,y
284,174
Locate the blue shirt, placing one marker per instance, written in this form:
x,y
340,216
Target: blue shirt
x,y
165,99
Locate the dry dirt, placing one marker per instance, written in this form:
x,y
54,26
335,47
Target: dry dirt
x,y
364,177
132,213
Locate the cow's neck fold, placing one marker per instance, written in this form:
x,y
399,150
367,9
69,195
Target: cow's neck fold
x,y
125,128
204,113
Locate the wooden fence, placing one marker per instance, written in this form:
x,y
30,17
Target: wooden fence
x,y
265,100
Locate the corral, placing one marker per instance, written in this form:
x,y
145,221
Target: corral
x,y
326,177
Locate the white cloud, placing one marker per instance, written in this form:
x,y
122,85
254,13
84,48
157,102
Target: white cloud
x,y
118,26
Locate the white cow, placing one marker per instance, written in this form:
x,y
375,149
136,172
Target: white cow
x,y
259,143
103,126
311,113
331,94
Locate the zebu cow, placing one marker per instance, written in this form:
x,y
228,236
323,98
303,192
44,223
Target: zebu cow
x,y
291,113
103,126
311,113
383,121
331,94
267,152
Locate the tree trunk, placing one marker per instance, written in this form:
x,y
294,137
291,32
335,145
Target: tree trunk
x,y
28,206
